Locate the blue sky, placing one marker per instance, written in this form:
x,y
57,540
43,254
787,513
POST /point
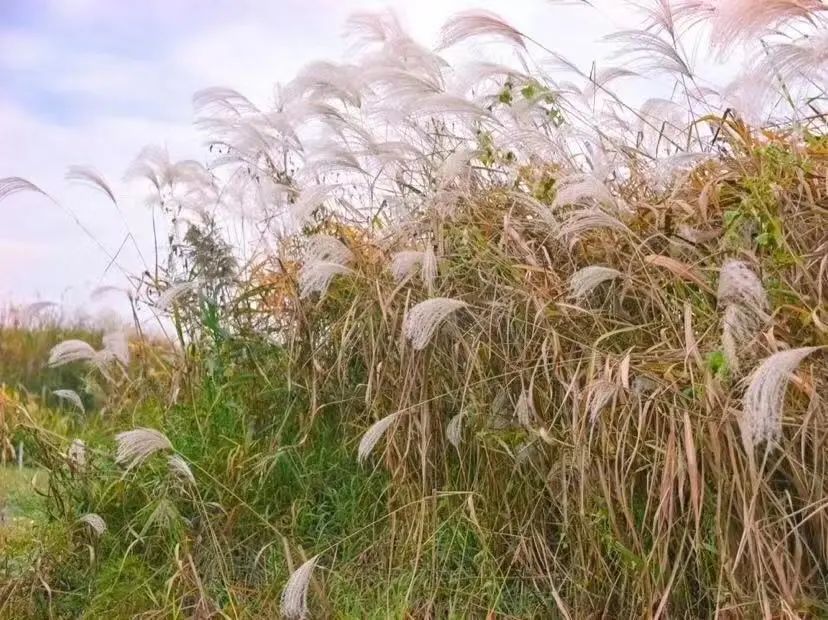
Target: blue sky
x,y
93,81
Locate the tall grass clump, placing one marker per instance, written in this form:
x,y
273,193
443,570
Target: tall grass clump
x,y
510,346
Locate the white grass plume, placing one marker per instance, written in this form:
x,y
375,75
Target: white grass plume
x,y
454,429
601,394
179,468
429,268
315,277
72,397
585,220
92,177
745,303
137,445
174,292
70,351
294,601
95,523
374,434
423,319
585,280
116,344
13,185
77,454
525,409
761,418
404,263
475,23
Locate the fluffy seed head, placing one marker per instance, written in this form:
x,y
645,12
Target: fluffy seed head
x,y
95,523
179,468
454,429
404,263
424,319
374,434
77,453
585,280
70,351
764,397
72,397
294,601
137,445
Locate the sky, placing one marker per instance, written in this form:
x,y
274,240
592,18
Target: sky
x,y
90,82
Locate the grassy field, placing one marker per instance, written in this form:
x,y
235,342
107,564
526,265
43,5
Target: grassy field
x,y
524,352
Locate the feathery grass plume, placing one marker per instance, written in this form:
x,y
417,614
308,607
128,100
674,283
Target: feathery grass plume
x,y
77,454
137,445
454,429
37,307
649,52
423,319
102,291
72,397
294,601
735,22
92,177
179,468
95,523
70,351
475,23
525,409
429,268
14,185
601,394
174,292
404,263
764,398
582,221
745,303
374,434
738,284
316,277
585,280
116,344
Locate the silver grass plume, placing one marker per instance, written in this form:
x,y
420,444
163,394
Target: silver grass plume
x,y
525,409
91,177
14,185
76,454
294,601
70,351
468,24
601,394
175,292
761,418
179,468
423,319
404,263
316,277
95,523
137,445
585,280
584,220
745,303
429,268
72,397
454,429
324,258
374,434
117,344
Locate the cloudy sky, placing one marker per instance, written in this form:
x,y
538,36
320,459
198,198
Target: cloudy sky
x,y
90,82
